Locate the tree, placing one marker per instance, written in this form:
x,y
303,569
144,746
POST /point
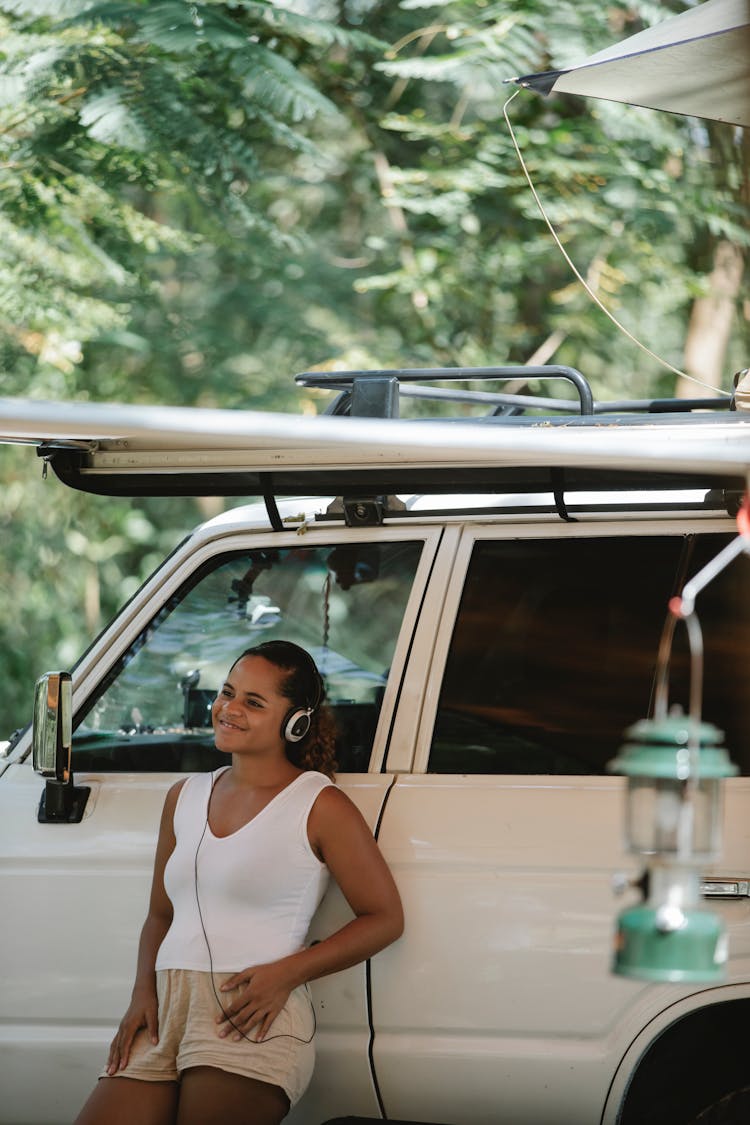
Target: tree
x,y
638,198
69,562
723,246
145,143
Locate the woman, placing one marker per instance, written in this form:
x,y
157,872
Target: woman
x,y
220,1027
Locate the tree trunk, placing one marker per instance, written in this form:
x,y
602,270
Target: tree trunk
x,y
710,324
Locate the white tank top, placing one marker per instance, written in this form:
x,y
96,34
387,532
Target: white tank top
x,y
253,892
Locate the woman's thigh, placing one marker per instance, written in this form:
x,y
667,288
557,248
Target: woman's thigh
x,y
209,1096
124,1101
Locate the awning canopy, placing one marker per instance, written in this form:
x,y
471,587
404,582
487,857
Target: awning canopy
x,y
131,450
696,63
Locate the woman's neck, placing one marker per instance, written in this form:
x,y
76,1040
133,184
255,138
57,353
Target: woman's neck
x,y
262,772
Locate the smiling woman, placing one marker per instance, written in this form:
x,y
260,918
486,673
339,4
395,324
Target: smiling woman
x,y
220,1027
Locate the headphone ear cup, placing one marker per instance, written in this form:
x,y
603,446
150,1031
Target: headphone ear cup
x,y
296,725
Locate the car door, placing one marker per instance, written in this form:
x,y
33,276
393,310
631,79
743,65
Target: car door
x,y
498,1004
74,895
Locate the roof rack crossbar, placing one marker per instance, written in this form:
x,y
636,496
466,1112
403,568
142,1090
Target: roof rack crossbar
x,y
488,397
622,406
375,394
345,380
662,405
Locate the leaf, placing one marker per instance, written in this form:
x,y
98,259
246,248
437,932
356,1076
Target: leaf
x,y
35,9
11,89
319,33
172,25
175,25
108,119
277,85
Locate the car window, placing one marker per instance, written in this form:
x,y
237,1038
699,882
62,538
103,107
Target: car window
x,y
344,604
554,651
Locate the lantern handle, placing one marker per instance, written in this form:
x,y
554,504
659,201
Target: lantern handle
x,y
684,605
695,646
682,608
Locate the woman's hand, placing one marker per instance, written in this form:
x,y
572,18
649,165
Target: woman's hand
x,y
143,1012
264,990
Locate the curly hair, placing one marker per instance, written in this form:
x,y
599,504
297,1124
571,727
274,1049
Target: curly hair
x,y
303,687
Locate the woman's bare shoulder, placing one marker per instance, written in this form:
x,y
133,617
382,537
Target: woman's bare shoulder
x,y
334,813
172,797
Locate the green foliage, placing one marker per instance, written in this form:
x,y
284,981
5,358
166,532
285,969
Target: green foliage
x,y
470,273
136,138
72,565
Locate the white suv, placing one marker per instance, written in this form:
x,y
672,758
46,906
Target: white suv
x,y
486,619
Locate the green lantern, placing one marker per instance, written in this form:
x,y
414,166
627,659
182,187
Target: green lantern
x,y
674,766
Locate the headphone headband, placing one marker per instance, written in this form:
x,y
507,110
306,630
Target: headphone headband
x,y
315,675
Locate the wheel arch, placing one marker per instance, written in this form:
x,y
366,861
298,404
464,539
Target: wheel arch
x,y
686,1058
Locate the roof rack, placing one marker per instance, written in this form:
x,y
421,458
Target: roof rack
x,y
376,394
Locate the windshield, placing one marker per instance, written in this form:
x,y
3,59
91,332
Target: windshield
x,y
343,603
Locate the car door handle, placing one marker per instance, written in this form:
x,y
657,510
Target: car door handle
x,y
725,888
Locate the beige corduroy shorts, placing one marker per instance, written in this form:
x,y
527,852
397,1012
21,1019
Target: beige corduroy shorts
x,y
189,1036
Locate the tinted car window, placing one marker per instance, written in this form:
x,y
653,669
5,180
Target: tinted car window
x,y
554,652
344,604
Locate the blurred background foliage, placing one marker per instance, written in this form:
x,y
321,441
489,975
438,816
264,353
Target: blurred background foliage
x,y
199,199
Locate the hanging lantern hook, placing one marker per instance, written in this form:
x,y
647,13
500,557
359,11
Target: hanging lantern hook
x,y
682,608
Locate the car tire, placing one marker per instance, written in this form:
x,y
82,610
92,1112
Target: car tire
x,y
732,1109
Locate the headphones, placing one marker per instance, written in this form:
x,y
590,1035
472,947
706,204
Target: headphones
x,y
297,724
298,720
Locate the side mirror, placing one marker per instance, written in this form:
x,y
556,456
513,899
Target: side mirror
x,y
52,727
62,801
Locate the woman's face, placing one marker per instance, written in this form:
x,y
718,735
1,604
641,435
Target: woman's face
x,y
249,711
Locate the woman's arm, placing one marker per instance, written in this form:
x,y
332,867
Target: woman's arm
x,y
340,837
142,1011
